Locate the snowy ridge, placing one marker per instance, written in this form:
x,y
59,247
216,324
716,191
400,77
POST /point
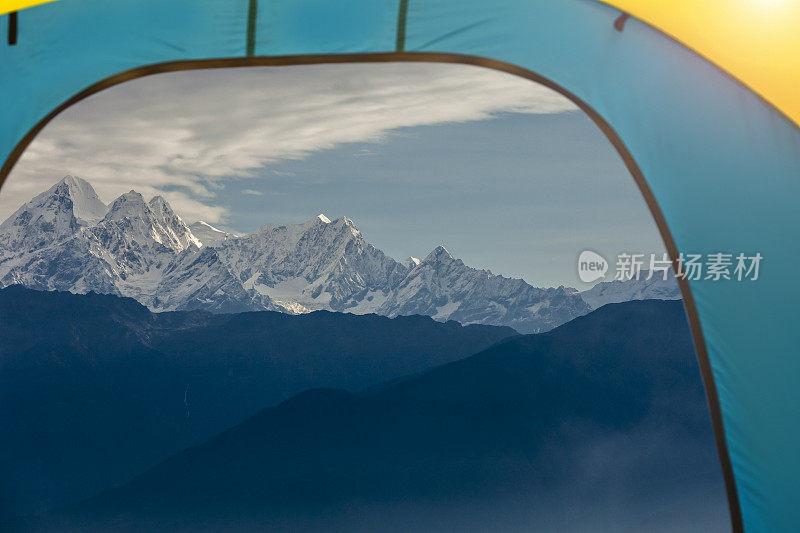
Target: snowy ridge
x,y
67,239
445,288
656,288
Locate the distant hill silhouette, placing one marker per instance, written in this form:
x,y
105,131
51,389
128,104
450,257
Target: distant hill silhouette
x,y
94,388
600,424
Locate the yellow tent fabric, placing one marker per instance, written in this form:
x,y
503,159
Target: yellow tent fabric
x,y
757,41
7,6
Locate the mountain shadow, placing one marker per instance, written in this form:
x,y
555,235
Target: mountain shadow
x,y
600,424
94,388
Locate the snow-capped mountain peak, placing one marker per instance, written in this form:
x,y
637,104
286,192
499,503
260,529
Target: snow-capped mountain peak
x,y
67,239
438,255
411,262
324,219
176,231
160,207
86,205
207,234
53,215
149,222
131,205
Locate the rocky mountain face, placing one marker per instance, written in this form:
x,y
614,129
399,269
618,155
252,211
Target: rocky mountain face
x,y
67,239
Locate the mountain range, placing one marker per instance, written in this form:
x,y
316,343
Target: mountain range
x,y
67,239
597,425
95,388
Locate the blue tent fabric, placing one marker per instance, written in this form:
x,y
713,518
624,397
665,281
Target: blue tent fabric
x,y
723,166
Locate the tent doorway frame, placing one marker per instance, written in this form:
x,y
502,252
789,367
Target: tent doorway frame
x,y
698,338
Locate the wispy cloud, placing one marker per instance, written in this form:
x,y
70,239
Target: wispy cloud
x,y
183,134
282,173
252,192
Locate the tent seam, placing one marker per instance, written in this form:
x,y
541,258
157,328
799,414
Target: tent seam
x,y
252,15
402,17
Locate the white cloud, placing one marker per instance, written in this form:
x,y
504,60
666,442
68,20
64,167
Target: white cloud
x,y
252,192
182,134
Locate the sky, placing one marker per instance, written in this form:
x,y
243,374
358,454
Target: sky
x,y
506,174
